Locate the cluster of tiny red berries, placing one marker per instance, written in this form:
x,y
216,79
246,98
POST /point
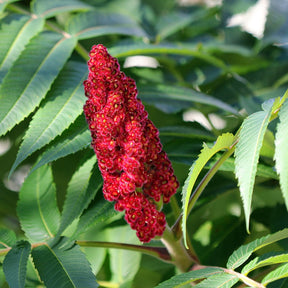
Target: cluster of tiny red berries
x,y
136,171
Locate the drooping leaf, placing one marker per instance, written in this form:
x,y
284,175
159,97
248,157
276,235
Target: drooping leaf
x,y
93,23
31,76
64,103
51,8
186,278
222,280
281,151
223,142
239,256
15,264
278,273
95,213
81,189
265,260
75,138
63,268
16,31
172,99
247,154
37,207
124,264
7,238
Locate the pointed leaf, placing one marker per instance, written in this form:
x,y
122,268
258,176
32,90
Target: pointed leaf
x,y
223,142
81,189
76,138
171,99
240,255
31,76
247,154
264,260
222,280
7,238
281,151
124,264
16,31
93,24
51,8
96,213
15,264
63,268
278,273
37,207
64,103
186,278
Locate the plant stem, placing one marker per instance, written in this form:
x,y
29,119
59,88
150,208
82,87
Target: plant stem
x,y
158,252
181,257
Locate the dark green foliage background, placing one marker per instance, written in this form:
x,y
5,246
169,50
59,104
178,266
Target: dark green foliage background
x,y
203,65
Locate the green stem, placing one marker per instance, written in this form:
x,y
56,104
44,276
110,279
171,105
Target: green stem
x,y
181,257
158,252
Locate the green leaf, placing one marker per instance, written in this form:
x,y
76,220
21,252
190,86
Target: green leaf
x,y
98,212
222,280
64,104
75,138
124,264
4,3
63,268
172,99
16,31
31,76
247,153
265,260
169,48
281,151
81,189
37,207
223,142
51,8
7,238
239,256
15,264
278,273
186,278
93,24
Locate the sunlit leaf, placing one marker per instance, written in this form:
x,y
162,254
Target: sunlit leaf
x,y
278,273
63,268
37,207
53,7
64,104
16,31
15,264
222,280
247,154
31,76
281,151
223,142
186,278
240,255
94,23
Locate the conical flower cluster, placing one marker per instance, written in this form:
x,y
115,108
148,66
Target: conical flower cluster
x,y
136,171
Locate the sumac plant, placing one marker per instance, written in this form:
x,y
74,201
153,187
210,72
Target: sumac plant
x,y
143,144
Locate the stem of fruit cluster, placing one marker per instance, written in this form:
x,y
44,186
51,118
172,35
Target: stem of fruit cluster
x,y
182,258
